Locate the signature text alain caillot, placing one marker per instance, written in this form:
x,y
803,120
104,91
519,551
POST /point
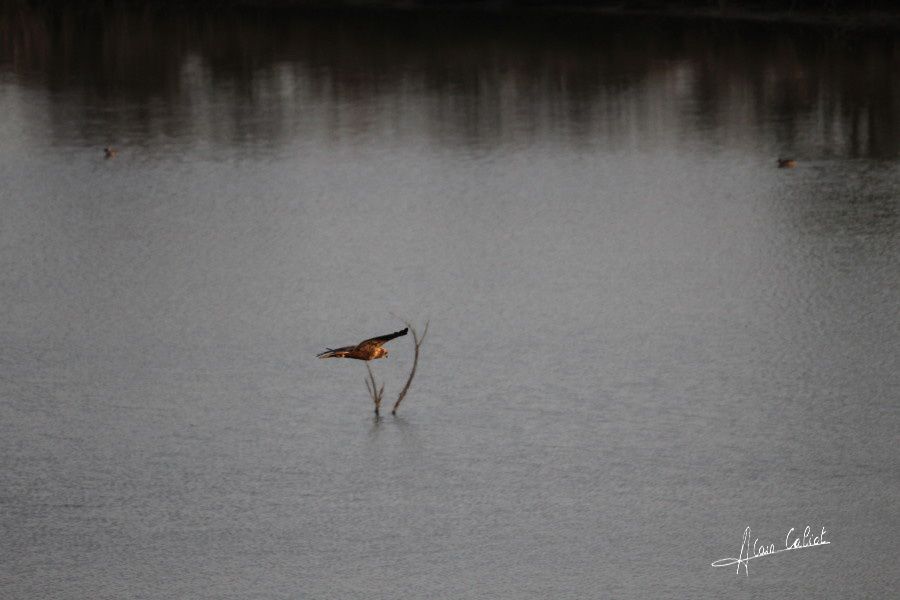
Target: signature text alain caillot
x,y
751,548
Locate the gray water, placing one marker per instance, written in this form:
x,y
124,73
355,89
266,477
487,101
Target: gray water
x,y
644,337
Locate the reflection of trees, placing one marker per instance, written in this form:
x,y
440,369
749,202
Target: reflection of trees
x,y
270,76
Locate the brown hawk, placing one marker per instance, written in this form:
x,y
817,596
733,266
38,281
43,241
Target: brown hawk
x,y
366,350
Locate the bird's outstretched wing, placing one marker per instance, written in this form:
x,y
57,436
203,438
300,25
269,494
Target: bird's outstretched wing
x,y
376,342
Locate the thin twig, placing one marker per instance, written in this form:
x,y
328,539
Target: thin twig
x,y
374,392
412,373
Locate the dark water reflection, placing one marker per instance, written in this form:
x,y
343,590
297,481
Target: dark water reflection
x,y
816,93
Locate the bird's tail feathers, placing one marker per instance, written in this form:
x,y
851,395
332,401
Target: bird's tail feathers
x,y
332,353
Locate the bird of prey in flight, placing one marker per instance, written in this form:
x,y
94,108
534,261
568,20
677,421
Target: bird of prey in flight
x,y
366,350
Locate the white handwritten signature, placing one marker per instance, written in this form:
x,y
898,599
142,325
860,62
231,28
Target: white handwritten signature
x,y
756,550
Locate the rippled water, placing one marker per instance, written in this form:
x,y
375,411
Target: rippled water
x,y
644,337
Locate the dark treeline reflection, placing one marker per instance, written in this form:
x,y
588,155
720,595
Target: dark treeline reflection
x,y
266,77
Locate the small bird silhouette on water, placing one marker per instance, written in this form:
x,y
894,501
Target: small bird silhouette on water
x,y
366,350
110,152
786,163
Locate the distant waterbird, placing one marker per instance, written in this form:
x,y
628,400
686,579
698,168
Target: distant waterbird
x,y
110,152
786,163
369,349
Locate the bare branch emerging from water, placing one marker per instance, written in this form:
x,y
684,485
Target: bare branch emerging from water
x,y
375,392
412,373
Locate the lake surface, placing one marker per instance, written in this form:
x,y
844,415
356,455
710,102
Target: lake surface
x,y
644,337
